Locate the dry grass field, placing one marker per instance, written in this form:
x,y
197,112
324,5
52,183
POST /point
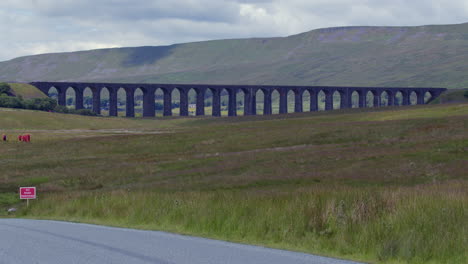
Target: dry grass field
x,y
383,185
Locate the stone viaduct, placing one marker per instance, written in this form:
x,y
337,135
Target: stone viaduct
x,y
423,95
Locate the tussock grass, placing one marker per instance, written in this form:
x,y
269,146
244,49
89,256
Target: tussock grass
x,y
426,224
7,199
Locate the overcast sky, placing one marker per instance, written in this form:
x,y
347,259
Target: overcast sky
x,y
41,26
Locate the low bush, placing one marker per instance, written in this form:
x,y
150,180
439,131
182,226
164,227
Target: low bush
x,y
5,89
65,110
41,104
61,109
11,102
85,112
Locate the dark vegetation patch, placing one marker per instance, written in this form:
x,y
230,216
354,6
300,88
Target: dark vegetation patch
x,y
146,55
5,90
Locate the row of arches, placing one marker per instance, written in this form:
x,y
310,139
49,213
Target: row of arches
x,y
149,100
116,102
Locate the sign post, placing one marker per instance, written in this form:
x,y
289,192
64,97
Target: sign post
x,y
27,193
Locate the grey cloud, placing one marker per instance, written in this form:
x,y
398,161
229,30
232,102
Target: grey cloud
x,y
37,26
204,10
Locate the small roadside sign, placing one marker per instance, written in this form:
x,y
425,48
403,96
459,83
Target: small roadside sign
x,y
27,193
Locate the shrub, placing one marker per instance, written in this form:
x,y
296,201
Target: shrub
x,y
43,104
11,102
85,112
61,109
5,89
466,94
65,110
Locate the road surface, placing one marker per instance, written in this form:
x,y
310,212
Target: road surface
x,y
53,242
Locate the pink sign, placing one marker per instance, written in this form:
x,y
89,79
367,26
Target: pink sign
x,y
27,192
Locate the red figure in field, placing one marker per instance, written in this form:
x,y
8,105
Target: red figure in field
x,y
24,138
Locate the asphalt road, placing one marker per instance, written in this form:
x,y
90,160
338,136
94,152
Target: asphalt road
x,y
50,242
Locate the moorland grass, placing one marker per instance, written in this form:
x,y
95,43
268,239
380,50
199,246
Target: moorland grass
x,y
378,185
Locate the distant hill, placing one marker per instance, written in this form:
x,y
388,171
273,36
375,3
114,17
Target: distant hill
x,y
434,56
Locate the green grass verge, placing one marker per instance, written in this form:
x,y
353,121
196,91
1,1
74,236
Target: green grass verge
x,y
425,225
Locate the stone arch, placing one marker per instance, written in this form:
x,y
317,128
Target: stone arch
x,y
138,101
370,99
398,98
428,96
88,95
105,99
321,99
224,101
275,101
240,101
53,92
208,99
71,95
159,101
121,102
384,98
306,101
175,101
336,97
355,99
192,101
259,102
413,97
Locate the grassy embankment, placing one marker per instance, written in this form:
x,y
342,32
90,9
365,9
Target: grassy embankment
x,y
379,186
26,91
452,96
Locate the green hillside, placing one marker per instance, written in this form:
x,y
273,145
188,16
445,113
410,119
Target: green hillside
x,y
26,91
453,96
435,56
385,185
